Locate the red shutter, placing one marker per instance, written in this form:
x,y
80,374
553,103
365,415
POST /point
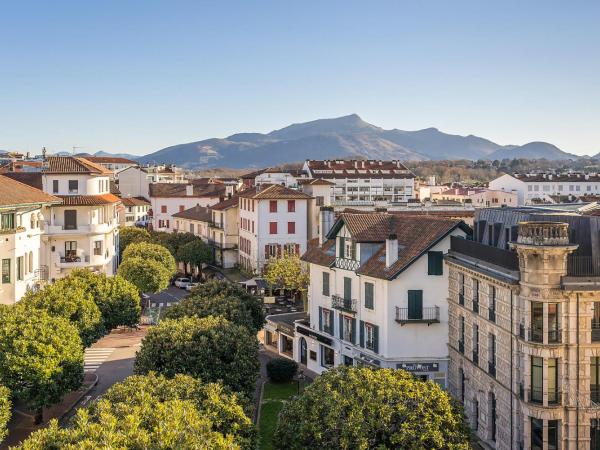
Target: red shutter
x,y
291,206
273,206
297,249
167,223
267,251
291,227
272,227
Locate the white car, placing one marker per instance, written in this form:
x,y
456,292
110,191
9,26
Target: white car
x,y
182,283
191,286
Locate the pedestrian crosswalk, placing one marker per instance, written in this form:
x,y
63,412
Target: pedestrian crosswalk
x,y
94,357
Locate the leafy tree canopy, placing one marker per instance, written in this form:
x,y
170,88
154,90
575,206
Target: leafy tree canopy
x,y
147,275
132,235
68,298
287,272
5,409
363,408
117,298
220,298
210,348
155,252
41,356
194,253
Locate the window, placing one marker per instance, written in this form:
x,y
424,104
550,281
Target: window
x,y
70,249
595,379
347,288
341,246
492,354
492,304
55,186
552,434
493,417
371,332
326,284
163,209
369,296
20,268
291,227
192,228
272,227
7,221
462,384
73,186
98,248
435,263
537,434
291,205
273,206
70,219
30,262
348,328
327,356
415,304
476,414
553,327
461,289
461,338
5,271
475,295
537,322
475,344
326,324
553,395
319,200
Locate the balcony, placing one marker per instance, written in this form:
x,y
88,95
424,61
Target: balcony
x,y
583,266
493,255
77,260
215,225
346,264
536,335
427,315
343,304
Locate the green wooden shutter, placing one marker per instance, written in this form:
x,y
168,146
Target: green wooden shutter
x,y
341,323
347,288
415,305
376,339
435,263
342,242
362,334
369,295
320,318
331,323
326,284
354,331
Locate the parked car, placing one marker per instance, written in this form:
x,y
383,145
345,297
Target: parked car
x,y
191,286
182,283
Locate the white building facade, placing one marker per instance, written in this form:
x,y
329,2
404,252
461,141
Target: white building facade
x,y
377,294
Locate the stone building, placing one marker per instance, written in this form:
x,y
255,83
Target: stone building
x,y
524,330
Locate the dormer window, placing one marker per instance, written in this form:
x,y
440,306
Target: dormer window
x,y
347,248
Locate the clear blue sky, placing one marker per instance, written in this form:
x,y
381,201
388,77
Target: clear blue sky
x,y
136,76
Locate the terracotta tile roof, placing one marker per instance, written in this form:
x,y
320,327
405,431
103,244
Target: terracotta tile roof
x,y
331,169
200,213
33,179
180,190
415,235
88,200
134,201
273,191
13,192
73,164
109,159
226,204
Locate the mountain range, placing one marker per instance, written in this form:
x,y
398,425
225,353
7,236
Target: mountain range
x,y
342,137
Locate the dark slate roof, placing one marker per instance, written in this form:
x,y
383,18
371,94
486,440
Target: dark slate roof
x,y
415,234
200,213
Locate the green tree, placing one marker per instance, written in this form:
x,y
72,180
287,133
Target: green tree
x,y
174,424
132,235
68,298
41,356
117,298
147,275
155,252
363,408
220,298
5,409
288,272
210,348
195,253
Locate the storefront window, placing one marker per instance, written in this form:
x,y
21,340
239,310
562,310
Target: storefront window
x,y
327,356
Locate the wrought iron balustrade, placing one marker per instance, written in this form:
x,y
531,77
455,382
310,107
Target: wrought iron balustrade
x,y
343,304
428,315
346,264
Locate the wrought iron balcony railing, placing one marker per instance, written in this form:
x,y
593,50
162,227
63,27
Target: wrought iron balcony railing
x,y
426,315
343,304
346,264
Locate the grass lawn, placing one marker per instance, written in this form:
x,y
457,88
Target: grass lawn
x,y
273,397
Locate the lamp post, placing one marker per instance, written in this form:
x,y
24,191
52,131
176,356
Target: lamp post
x,y
300,380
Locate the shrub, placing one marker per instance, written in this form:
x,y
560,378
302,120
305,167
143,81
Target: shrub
x,y
5,405
281,370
